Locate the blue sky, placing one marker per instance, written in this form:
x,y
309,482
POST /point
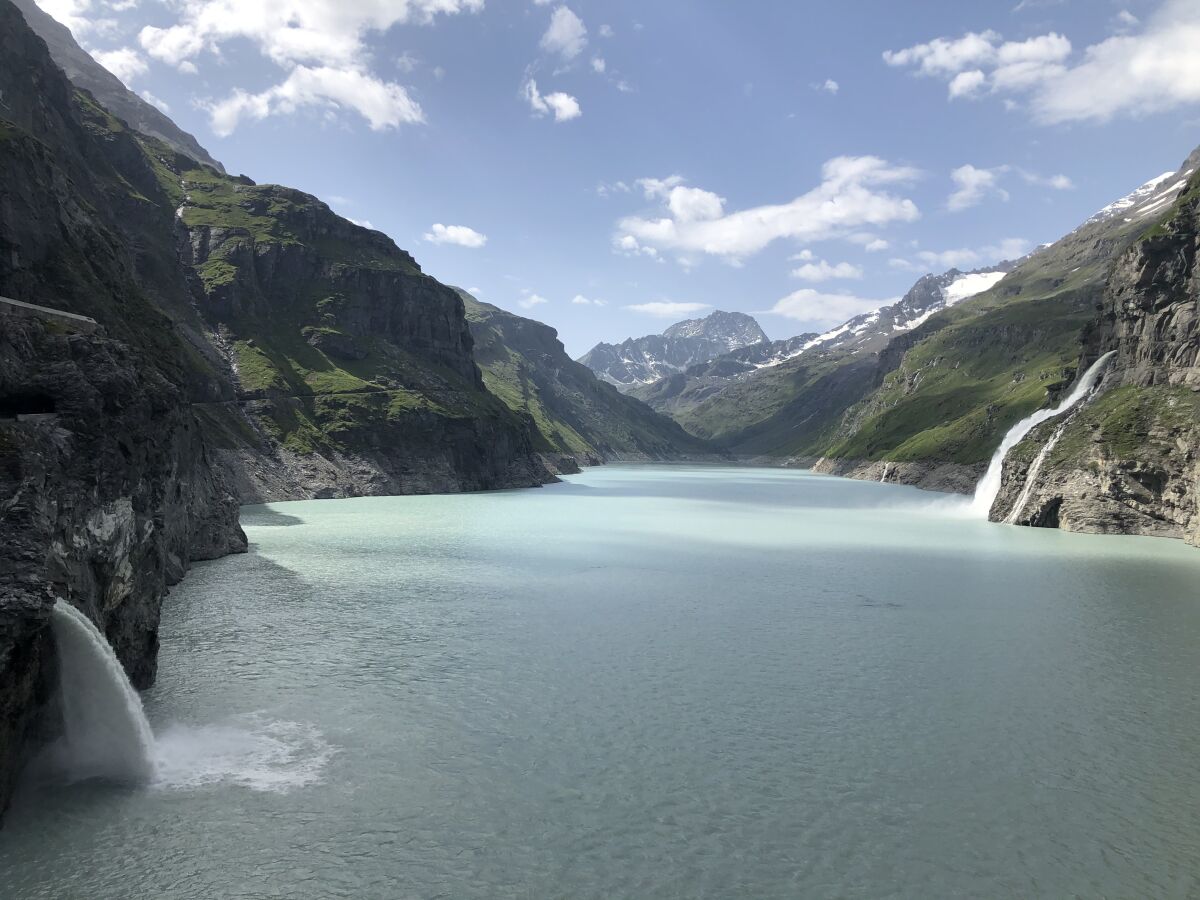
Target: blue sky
x,y
611,167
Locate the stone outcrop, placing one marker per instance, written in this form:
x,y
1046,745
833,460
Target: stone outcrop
x,y
212,366
1129,461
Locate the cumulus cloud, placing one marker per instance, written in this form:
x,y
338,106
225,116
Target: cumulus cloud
x,y
327,32
824,271
829,86
852,194
666,309
320,43
1146,68
383,104
973,185
126,63
566,35
460,235
563,106
580,300
821,310
529,301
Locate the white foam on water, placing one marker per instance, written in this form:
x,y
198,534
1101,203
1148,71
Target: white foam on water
x,y
251,752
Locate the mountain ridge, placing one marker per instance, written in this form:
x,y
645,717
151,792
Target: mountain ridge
x,y
638,361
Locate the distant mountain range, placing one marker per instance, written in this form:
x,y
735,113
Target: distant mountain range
x,y
691,396
644,360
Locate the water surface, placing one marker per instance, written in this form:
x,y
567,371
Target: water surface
x,y
654,682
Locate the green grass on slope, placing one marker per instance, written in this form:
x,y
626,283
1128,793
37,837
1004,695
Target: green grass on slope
x,y
959,390
1129,422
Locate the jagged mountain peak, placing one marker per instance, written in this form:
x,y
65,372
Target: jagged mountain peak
x,y
638,361
737,329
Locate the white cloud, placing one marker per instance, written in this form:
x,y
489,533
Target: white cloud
x,y
407,63
1133,73
659,187
973,185
599,66
829,86
1126,21
606,189
946,57
967,84
694,222
383,104
580,300
564,106
665,309
126,63
822,310
361,223
155,101
865,239
963,257
824,271
1056,182
531,300
605,31
566,34
75,14
328,32
460,235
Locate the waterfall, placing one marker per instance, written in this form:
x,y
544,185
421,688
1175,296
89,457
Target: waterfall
x,y
1032,474
989,485
106,732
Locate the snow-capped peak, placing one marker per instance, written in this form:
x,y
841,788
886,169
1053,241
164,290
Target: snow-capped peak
x,y
1146,199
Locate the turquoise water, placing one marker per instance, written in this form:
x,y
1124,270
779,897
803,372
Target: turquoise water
x,y
654,682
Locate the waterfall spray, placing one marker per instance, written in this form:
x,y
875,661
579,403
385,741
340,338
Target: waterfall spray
x,y
106,732
1032,474
989,485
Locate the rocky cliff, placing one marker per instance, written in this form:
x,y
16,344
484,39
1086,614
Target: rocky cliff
x,y
242,342
86,73
107,484
577,415
1129,461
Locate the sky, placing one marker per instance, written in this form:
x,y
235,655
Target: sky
x,y
612,166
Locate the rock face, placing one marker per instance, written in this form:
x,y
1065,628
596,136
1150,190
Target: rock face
x,y
577,415
644,360
355,369
86,73
241,342
107,488
1129,461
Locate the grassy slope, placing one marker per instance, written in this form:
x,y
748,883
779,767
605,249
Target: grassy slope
x,y
272,353
524,364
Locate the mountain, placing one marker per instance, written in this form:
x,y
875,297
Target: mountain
x,y
1129,461
948,391
784,398
646,359
108,90
175,341
575,413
